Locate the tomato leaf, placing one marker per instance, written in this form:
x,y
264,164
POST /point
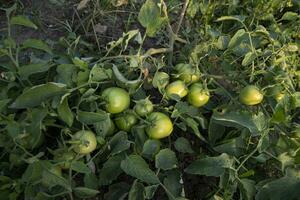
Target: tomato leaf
x,y
111,169
183,145
137,167
237,38
37,44
137,191
210,166
26,70
23,21
91,117
166,159
65,112
150,18
40,93
80,167
249,58
83,192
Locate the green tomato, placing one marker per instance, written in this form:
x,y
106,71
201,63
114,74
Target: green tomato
x,y
117,99
279,96
126,121
143,107
87,142
251,95
187,73
161,126
177,88
198,96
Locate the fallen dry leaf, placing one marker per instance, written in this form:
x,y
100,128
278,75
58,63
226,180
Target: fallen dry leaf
x,y
82,4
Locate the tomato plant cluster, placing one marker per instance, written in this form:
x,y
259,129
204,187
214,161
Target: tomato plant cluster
x,y
202,101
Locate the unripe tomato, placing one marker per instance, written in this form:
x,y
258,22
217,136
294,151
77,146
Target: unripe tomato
x,y
87,142
161,125
177,88
279,96
251,95
198,96
187,73
126,121
143,107
117,99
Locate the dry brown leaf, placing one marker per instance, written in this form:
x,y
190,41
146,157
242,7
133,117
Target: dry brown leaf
x,y
82,4
100,28
121,2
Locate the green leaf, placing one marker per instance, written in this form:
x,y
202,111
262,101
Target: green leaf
x,y
249,58
290,16
103,127
119,143
235,146
150,18
26,70
194,126
237,38
120,77
193,8
111,170
166,159
210,166
90,117
239,18
80,167
91,181
254,123
65,112
34,96
247,188
23,21
223,42
136,166
137,191
83,192
215,131
183,145
66,74
37,44
150,191
117,191
3,104
98,74
172,181
151,147
286,187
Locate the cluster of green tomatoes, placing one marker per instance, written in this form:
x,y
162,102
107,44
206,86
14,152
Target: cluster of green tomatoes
x,y
186,85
